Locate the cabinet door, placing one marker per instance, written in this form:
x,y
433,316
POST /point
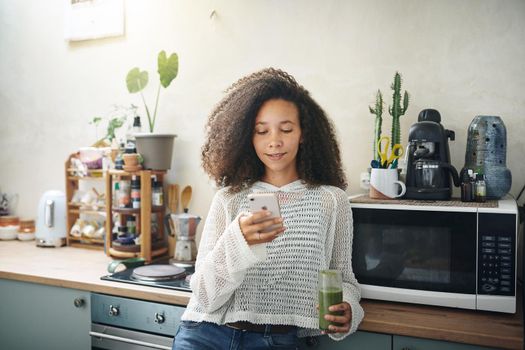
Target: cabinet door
x,y
358,340
409,343
35,316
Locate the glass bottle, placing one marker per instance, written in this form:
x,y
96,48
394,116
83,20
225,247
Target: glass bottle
x,y
131,142
481,188
137,127
157,196
119,162
135,192
466,188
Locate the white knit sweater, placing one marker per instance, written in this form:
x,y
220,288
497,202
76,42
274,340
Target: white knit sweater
x,y
275,282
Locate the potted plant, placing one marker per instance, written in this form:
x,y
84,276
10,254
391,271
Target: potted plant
x,y
92,156
115,120
395,110
155,148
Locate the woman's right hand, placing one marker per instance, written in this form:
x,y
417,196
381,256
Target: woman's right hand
x,y
253,231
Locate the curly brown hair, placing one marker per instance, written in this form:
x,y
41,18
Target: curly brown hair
x,y
228,155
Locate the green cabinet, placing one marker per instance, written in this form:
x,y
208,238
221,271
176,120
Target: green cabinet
x,y
410,343
36,316
379,341
358,340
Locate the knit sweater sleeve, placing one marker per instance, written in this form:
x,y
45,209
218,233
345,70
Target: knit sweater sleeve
x,y
223,257
342,260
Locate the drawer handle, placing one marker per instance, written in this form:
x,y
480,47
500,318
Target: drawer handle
x,y
129,341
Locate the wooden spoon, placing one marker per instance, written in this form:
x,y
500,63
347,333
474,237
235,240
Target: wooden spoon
x,y
185,198
173,198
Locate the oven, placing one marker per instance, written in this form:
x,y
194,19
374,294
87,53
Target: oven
x,y
123,323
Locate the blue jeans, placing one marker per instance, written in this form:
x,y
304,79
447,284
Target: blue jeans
x,y
209,336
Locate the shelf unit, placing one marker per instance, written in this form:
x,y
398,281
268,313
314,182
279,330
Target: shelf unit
x,y
74,210
149,248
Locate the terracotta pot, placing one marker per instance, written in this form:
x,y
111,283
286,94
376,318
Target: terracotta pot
x,y
130,159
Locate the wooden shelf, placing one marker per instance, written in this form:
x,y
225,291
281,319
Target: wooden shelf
x,y
154,209
92,173
75,209
87,240
87,211
88,243
87,207
138,173
76,178
147,249
125,255
126,211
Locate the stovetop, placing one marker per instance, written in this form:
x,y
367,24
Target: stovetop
x,y
125,276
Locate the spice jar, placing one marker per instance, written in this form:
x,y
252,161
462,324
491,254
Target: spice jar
x,y
131,225
123,195
135,192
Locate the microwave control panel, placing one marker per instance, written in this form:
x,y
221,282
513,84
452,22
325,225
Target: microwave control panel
x,y
496,254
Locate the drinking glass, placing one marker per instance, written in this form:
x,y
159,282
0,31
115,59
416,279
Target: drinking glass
x,y
330,293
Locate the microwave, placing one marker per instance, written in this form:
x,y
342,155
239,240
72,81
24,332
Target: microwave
x,y
451,254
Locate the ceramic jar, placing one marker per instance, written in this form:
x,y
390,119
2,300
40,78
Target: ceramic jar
x,y
487,152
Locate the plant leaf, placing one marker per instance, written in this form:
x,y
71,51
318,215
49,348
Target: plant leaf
x,y
136,80
96,121
167,68
113,125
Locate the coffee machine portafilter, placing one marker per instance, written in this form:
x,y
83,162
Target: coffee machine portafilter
x,y
429,171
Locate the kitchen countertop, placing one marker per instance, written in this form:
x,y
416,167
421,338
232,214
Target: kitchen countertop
x,y
79,268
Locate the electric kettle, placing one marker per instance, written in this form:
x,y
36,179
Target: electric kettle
x,y
51,220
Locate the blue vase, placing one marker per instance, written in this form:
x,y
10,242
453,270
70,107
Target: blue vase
x,y
487,152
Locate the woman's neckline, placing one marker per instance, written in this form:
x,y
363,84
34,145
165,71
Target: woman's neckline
x,y
294,185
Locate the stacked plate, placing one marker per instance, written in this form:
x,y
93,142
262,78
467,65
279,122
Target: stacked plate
x,y
11,227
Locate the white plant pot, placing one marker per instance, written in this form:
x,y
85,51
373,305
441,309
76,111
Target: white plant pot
x,y
156,149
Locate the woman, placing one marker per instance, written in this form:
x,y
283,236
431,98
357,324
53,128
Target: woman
x,y
255,289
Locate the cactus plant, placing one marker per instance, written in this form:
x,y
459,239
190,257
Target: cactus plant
x,y
378,112
396,110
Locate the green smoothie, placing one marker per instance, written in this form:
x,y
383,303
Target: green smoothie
x,y
327,298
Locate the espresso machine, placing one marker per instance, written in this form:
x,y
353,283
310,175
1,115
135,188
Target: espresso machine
x,y
429,172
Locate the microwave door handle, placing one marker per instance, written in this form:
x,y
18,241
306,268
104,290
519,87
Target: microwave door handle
x,y
49,212
127,340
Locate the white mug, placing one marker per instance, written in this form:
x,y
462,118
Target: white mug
x,y
384,184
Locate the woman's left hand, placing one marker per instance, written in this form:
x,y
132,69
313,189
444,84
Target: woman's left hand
x,y
343,320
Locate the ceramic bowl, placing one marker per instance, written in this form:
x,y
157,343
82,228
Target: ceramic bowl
x,y
8,232
24,236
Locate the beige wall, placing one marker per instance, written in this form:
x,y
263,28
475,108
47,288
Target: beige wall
x,y
463,58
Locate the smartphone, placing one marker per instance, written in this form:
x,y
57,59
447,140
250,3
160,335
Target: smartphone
x,y
265,201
